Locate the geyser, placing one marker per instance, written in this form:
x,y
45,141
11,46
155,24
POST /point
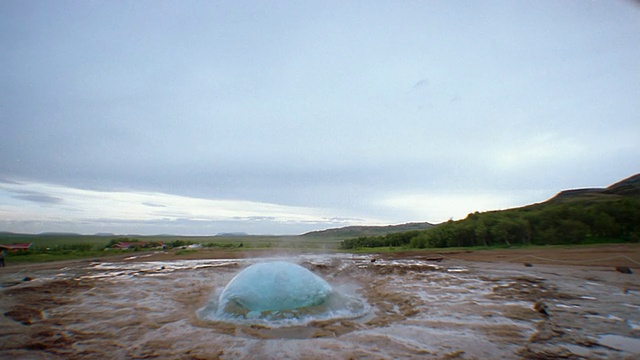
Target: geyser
x,y
273,286
275,291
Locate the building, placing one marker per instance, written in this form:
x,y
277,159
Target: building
x,y
16,247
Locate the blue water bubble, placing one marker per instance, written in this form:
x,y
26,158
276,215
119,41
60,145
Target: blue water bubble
x,y
280,292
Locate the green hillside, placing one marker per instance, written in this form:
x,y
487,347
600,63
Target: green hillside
x,y
353,231
577,216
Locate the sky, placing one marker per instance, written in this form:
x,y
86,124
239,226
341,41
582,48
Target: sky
x,y
282,117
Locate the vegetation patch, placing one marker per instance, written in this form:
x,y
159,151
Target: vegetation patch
x,y
573,217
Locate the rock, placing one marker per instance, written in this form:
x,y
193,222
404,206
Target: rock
x,y
541,307
624,269
373,260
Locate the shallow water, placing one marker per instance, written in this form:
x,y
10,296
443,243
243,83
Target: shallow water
x,y
415,308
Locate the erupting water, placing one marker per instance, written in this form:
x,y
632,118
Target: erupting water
x,y
275,286
276,291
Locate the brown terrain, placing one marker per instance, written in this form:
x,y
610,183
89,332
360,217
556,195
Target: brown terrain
x,y
537,303
607,255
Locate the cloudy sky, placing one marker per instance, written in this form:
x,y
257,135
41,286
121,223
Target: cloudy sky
x,y
280,117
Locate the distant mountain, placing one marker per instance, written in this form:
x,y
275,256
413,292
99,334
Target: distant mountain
x,y
355,231
231,234
53,233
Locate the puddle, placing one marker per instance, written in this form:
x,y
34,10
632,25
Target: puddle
x,y
578,350
633,324
568,306
619,342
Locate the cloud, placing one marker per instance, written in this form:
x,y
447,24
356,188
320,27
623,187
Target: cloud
x,y
444,205
153,205
153,211
539,149
421,83
39,198
305,116
6,181
30,195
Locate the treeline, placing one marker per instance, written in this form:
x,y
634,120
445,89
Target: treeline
x,y
168,244
65,249
140,244
601,220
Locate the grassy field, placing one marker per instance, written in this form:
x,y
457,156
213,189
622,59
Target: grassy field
x,y
58,247
55,247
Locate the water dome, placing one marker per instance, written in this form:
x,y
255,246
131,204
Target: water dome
x,y
273,286
279,290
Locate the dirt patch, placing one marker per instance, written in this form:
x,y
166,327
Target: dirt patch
x,y
29,319
605,255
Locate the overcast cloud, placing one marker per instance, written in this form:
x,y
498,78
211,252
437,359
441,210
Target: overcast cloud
x,y
200,117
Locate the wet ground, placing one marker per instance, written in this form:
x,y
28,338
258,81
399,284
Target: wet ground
x,y
438,308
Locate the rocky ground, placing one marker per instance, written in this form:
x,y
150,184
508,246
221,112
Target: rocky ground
x,y
523,303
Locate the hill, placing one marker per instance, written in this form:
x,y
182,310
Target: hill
x,y
627,187
354,231
232,234
574,216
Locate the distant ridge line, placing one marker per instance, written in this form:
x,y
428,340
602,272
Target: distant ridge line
x,y
626,187
363,230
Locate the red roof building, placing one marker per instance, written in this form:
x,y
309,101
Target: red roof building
x,y
15,247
